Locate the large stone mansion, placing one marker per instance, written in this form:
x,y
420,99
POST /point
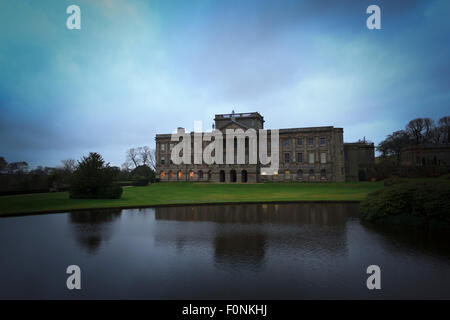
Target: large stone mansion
x,y
305,154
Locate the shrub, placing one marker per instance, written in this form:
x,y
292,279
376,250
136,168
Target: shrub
x,y
392,180
94,179
429,200
140,182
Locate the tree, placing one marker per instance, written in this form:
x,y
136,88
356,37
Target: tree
x,y
415,129
17,167
94,179
133,157
444,124
393,144
148,156
69,165
3,164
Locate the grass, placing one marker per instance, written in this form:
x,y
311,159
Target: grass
x,y
190,193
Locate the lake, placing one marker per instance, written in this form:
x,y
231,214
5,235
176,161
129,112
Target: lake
x,y
254,251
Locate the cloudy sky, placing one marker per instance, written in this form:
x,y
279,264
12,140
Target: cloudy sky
x,y
137,68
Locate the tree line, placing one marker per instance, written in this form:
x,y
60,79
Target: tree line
x,y
138,169
417,131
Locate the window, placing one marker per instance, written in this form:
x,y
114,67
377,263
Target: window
x,y
191,174
299,174
310,141
162,174
299,157
311,157
163,160
323,157
200,174
286,143
180,174
163,147
287,172
171,146
322,141
286,157
299,141
323,173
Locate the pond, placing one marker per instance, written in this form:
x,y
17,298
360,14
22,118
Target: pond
x,y
257,251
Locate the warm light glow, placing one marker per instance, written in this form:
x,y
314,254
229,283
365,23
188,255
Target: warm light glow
x,y
162,174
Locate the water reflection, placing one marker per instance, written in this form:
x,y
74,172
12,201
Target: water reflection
x,y
242,234
93,227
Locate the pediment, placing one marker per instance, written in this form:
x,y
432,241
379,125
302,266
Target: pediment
x,y
233,124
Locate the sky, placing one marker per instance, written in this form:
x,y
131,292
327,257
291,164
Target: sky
x,y
138,68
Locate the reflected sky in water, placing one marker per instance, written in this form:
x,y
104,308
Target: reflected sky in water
x,y
259,251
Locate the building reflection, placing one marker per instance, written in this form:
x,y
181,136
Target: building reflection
x,y
91,228
242,234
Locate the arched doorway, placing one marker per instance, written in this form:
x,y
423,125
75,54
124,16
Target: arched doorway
x,y
233,176
200,175
299,174
180,175
171,175
222,176
191,175
311,175
209,175
244,176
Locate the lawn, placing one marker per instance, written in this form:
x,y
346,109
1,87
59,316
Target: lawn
x,y
189,193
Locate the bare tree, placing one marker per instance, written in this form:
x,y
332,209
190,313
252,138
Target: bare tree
x,y
415,129
133,156
147,156
444,124
69,165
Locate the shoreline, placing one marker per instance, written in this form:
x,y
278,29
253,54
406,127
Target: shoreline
x,y
184,204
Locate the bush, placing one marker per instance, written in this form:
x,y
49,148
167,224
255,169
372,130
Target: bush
x,y
94,179
426,200
392,180
140,182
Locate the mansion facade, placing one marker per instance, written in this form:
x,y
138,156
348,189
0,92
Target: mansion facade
x,y
305,154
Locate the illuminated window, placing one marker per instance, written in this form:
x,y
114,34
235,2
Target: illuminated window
x,y
171,175
180,174
162,175
191,174
287,172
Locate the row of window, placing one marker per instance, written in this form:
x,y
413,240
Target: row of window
x,y
286,143
311,157
310,141
287,158
162,174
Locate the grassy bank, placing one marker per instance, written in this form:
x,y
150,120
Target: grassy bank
x,y
190,193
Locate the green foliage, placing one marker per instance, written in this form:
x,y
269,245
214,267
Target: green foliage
x,y
424,199
143,172
94,179
139,181
393,180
